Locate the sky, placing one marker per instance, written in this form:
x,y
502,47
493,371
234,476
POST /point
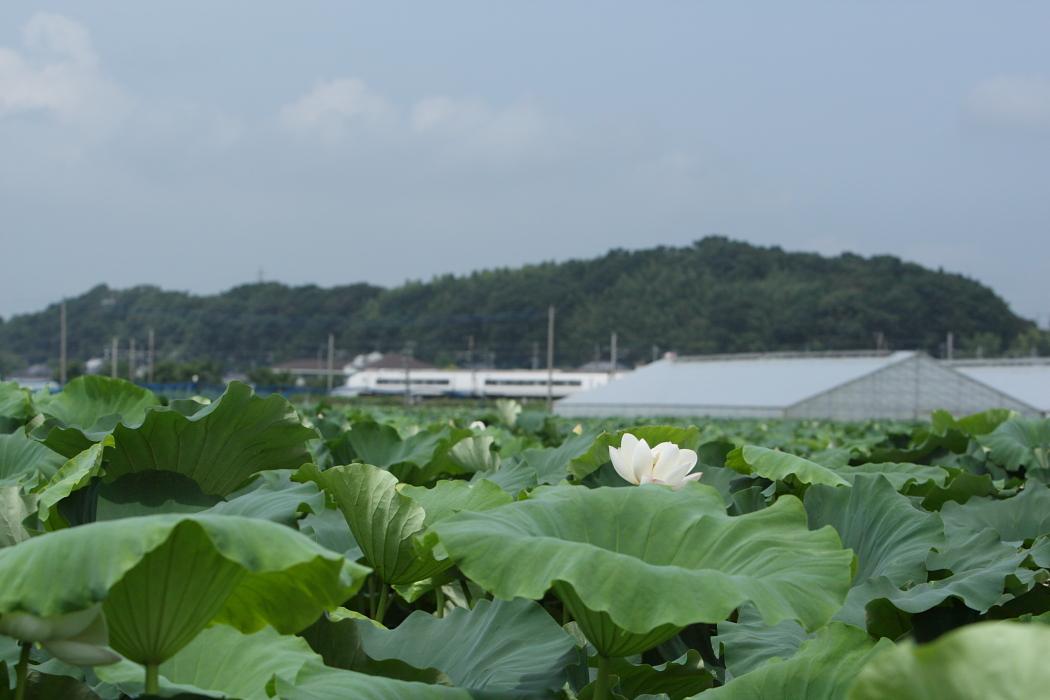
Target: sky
x,y
198,145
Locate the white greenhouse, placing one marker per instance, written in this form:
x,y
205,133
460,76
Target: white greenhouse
x,y
838,386
1027,379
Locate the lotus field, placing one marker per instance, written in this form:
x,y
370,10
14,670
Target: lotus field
x,y
249,548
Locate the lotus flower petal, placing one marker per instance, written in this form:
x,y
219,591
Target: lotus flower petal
x,y
32,628
671,464
623,458
81,653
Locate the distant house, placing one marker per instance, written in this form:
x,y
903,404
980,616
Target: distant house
x,y
838,386
306,368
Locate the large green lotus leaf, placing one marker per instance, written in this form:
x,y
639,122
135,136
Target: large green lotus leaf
x,y
513,476
541,465
900,474
382,446
944,433
823,669
510,649
1022,517
162,578
273,495
450,496
977,424
220,660
15,507
960,487
73,475
1000,660
749,642
88,409
150,493
889,536
1020,442
387,520
26,461
386,523
328,528
335,637
15,402
607,551
598,454
219,446
979,565
673,680
777,466
318,682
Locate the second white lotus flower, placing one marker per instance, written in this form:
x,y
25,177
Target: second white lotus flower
x,y
79,638
666,463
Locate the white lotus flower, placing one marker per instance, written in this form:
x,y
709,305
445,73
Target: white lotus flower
x,y
477,425
665,464
508,410
79,638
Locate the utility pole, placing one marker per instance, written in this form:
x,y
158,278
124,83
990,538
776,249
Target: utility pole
x,y
656,353
473,368
131,359
406,356
113,358
949,345
150,358
62,344
550,358
331,360
879,341
612,356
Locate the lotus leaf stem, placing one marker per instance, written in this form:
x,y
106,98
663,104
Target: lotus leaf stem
x,y
152,682
601,683
22,670
466,593
384,600
439,596
372,597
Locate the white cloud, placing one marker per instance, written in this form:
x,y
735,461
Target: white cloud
x,y
334,107
473,124
1012,101
336,111
55,73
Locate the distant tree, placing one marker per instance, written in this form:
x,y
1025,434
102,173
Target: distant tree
x,y
10,363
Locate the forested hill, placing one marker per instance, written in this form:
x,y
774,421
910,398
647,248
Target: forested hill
x,y
716,295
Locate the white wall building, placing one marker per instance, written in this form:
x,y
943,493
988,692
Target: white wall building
x,y
839,386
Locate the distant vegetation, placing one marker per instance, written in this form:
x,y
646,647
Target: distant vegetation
x,y
716,295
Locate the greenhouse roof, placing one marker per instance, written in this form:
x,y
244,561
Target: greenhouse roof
x,y
1026,380
773,380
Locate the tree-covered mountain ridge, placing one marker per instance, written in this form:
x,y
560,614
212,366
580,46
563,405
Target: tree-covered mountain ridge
x,y
716,295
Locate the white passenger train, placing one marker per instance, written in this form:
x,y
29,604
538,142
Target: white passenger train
x,y
508,383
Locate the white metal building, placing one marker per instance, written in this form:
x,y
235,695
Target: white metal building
x,y
1026,379
838,386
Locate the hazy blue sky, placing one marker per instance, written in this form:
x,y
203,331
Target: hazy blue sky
x,y
189,144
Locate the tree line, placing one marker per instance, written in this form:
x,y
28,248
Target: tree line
x,y
716,295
